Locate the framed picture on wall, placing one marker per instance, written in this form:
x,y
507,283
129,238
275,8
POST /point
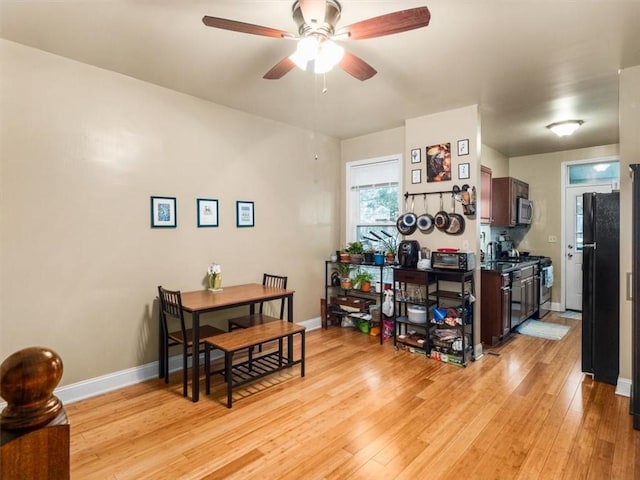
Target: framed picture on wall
x,y
416,155
463,171
416,176
463,147
207,212
245,214
163,212
439,162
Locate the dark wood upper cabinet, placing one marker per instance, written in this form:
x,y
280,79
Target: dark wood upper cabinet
x,y
505,192
485,195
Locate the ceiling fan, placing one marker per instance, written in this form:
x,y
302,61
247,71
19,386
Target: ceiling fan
x,y
316,50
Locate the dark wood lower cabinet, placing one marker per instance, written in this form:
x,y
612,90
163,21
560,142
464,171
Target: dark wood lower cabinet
x,y
495,310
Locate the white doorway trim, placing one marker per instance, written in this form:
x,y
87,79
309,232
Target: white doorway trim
x,y
563,227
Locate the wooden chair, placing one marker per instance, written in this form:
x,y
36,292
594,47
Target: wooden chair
x,y
245,321
171,308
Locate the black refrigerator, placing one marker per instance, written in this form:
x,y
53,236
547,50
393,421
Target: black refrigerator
x,y
600,286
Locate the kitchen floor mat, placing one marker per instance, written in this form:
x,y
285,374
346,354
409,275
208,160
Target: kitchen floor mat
x,y
548,330
570,314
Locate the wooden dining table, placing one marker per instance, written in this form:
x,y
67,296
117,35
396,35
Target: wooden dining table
x,y
205,301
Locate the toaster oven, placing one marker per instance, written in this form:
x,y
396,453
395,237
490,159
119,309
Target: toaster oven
x,y
461,261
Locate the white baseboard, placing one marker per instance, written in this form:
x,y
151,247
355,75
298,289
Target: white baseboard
x,y
623,387
112,381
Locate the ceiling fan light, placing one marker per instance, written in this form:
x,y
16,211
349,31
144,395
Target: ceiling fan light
x,y
329,55
563,129
318,56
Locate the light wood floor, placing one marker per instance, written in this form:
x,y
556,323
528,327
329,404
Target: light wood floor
x,y
366,411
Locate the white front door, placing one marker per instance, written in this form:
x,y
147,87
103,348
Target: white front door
x,y
573,246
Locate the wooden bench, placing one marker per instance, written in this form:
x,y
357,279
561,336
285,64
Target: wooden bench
x,y
260,365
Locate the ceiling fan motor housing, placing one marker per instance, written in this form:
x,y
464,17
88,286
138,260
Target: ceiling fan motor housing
x,y
324,27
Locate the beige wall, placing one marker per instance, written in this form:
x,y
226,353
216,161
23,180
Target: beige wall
x,y
629,153
82,150
496,161
447,127
543,173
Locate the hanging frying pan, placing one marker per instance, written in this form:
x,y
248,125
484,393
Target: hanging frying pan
x,y
456,221
401,224
425,221
441,219
410,218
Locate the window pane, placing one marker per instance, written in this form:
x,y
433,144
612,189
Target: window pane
x,y
373,200
603,172
578,226
378,205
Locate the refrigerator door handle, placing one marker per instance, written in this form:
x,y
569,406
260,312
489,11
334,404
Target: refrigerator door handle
x,y
629,283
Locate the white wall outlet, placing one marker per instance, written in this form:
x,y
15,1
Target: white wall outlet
x,y
553,239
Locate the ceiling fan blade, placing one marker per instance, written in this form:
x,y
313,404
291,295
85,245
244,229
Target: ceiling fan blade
x,y
356,67
313,11
280,69
389,24
242,27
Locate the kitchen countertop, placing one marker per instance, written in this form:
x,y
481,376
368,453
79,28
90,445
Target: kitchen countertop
x,y
504,266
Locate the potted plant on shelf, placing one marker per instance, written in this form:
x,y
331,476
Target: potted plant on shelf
x,y
362,280
368,254
356,252
344,256
344,269
390,248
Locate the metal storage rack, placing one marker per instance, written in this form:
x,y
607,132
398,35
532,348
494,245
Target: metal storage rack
x,y
381,273
449,340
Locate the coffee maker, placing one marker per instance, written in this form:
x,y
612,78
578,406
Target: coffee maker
x,y
408,253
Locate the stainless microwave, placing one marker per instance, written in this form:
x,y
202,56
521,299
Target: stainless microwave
x,y
525,211
462,261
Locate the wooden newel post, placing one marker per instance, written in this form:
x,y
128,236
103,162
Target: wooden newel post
x,y
34,426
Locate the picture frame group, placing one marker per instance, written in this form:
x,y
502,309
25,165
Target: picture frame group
x,y
164,212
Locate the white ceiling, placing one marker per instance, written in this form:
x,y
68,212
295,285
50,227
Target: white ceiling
x,y
526,63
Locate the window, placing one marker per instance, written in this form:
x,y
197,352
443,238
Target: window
x,y
586,173
372,198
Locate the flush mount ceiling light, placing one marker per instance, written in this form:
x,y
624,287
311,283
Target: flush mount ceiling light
x,y
563,129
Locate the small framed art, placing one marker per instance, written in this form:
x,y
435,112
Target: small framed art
x,y
463,147
245,214
416,155
163,212
416,176
463,171
207,212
